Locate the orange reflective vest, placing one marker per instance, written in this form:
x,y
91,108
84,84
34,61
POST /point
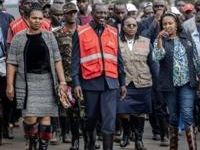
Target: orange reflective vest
x,y
98,53
21,24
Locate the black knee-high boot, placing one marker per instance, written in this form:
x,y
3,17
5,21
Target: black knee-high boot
x,y
191,138
45,134
163,131
31,136
64,125
173,135
126,131
139,129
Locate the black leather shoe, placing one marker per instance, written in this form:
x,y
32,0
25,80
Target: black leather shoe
x,y
66,138
43,144
75,145
139,146
97,145
164,142
156,137
1,141
124,142
8,133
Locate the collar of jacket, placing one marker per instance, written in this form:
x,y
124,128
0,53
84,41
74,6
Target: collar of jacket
x,y
96,26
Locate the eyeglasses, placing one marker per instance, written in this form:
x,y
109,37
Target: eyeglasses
x,y
149,13
159,6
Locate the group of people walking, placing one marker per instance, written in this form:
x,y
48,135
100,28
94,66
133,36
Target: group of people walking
x,y
79,67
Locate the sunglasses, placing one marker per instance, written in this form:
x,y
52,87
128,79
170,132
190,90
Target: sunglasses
x,y
149,13
159,6
131,25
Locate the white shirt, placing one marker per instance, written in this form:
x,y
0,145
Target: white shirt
x,y
1,43
130,43
196,39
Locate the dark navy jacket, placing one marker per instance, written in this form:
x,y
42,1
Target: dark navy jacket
x,y
97,84
5,20
165,79
149,28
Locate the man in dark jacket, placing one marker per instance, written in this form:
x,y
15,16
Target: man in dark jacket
x,y
150,27
5,20
119,12
99,92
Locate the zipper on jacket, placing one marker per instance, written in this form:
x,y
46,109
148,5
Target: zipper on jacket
x,y
101,50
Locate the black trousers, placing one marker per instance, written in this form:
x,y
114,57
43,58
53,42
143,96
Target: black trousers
x,y
9,107
159,116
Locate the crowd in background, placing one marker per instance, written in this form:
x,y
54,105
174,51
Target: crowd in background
x,y
158,67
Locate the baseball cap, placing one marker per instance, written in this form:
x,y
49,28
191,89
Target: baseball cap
x,y
56,9
188,7
159,2
147,4
69,7
131,7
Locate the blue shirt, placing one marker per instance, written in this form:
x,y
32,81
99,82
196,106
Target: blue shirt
x,y
1,44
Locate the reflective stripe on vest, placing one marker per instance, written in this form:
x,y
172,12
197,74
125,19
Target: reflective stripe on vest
x,y
98,55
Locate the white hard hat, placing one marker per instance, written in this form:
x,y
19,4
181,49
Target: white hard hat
x,y
131,7
74,1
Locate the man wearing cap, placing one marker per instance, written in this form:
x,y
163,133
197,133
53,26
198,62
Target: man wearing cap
x,y
188,11
56,18
150,28
190,24
97,73
56,15
22,23
59,3
64,39
147,11
132,10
